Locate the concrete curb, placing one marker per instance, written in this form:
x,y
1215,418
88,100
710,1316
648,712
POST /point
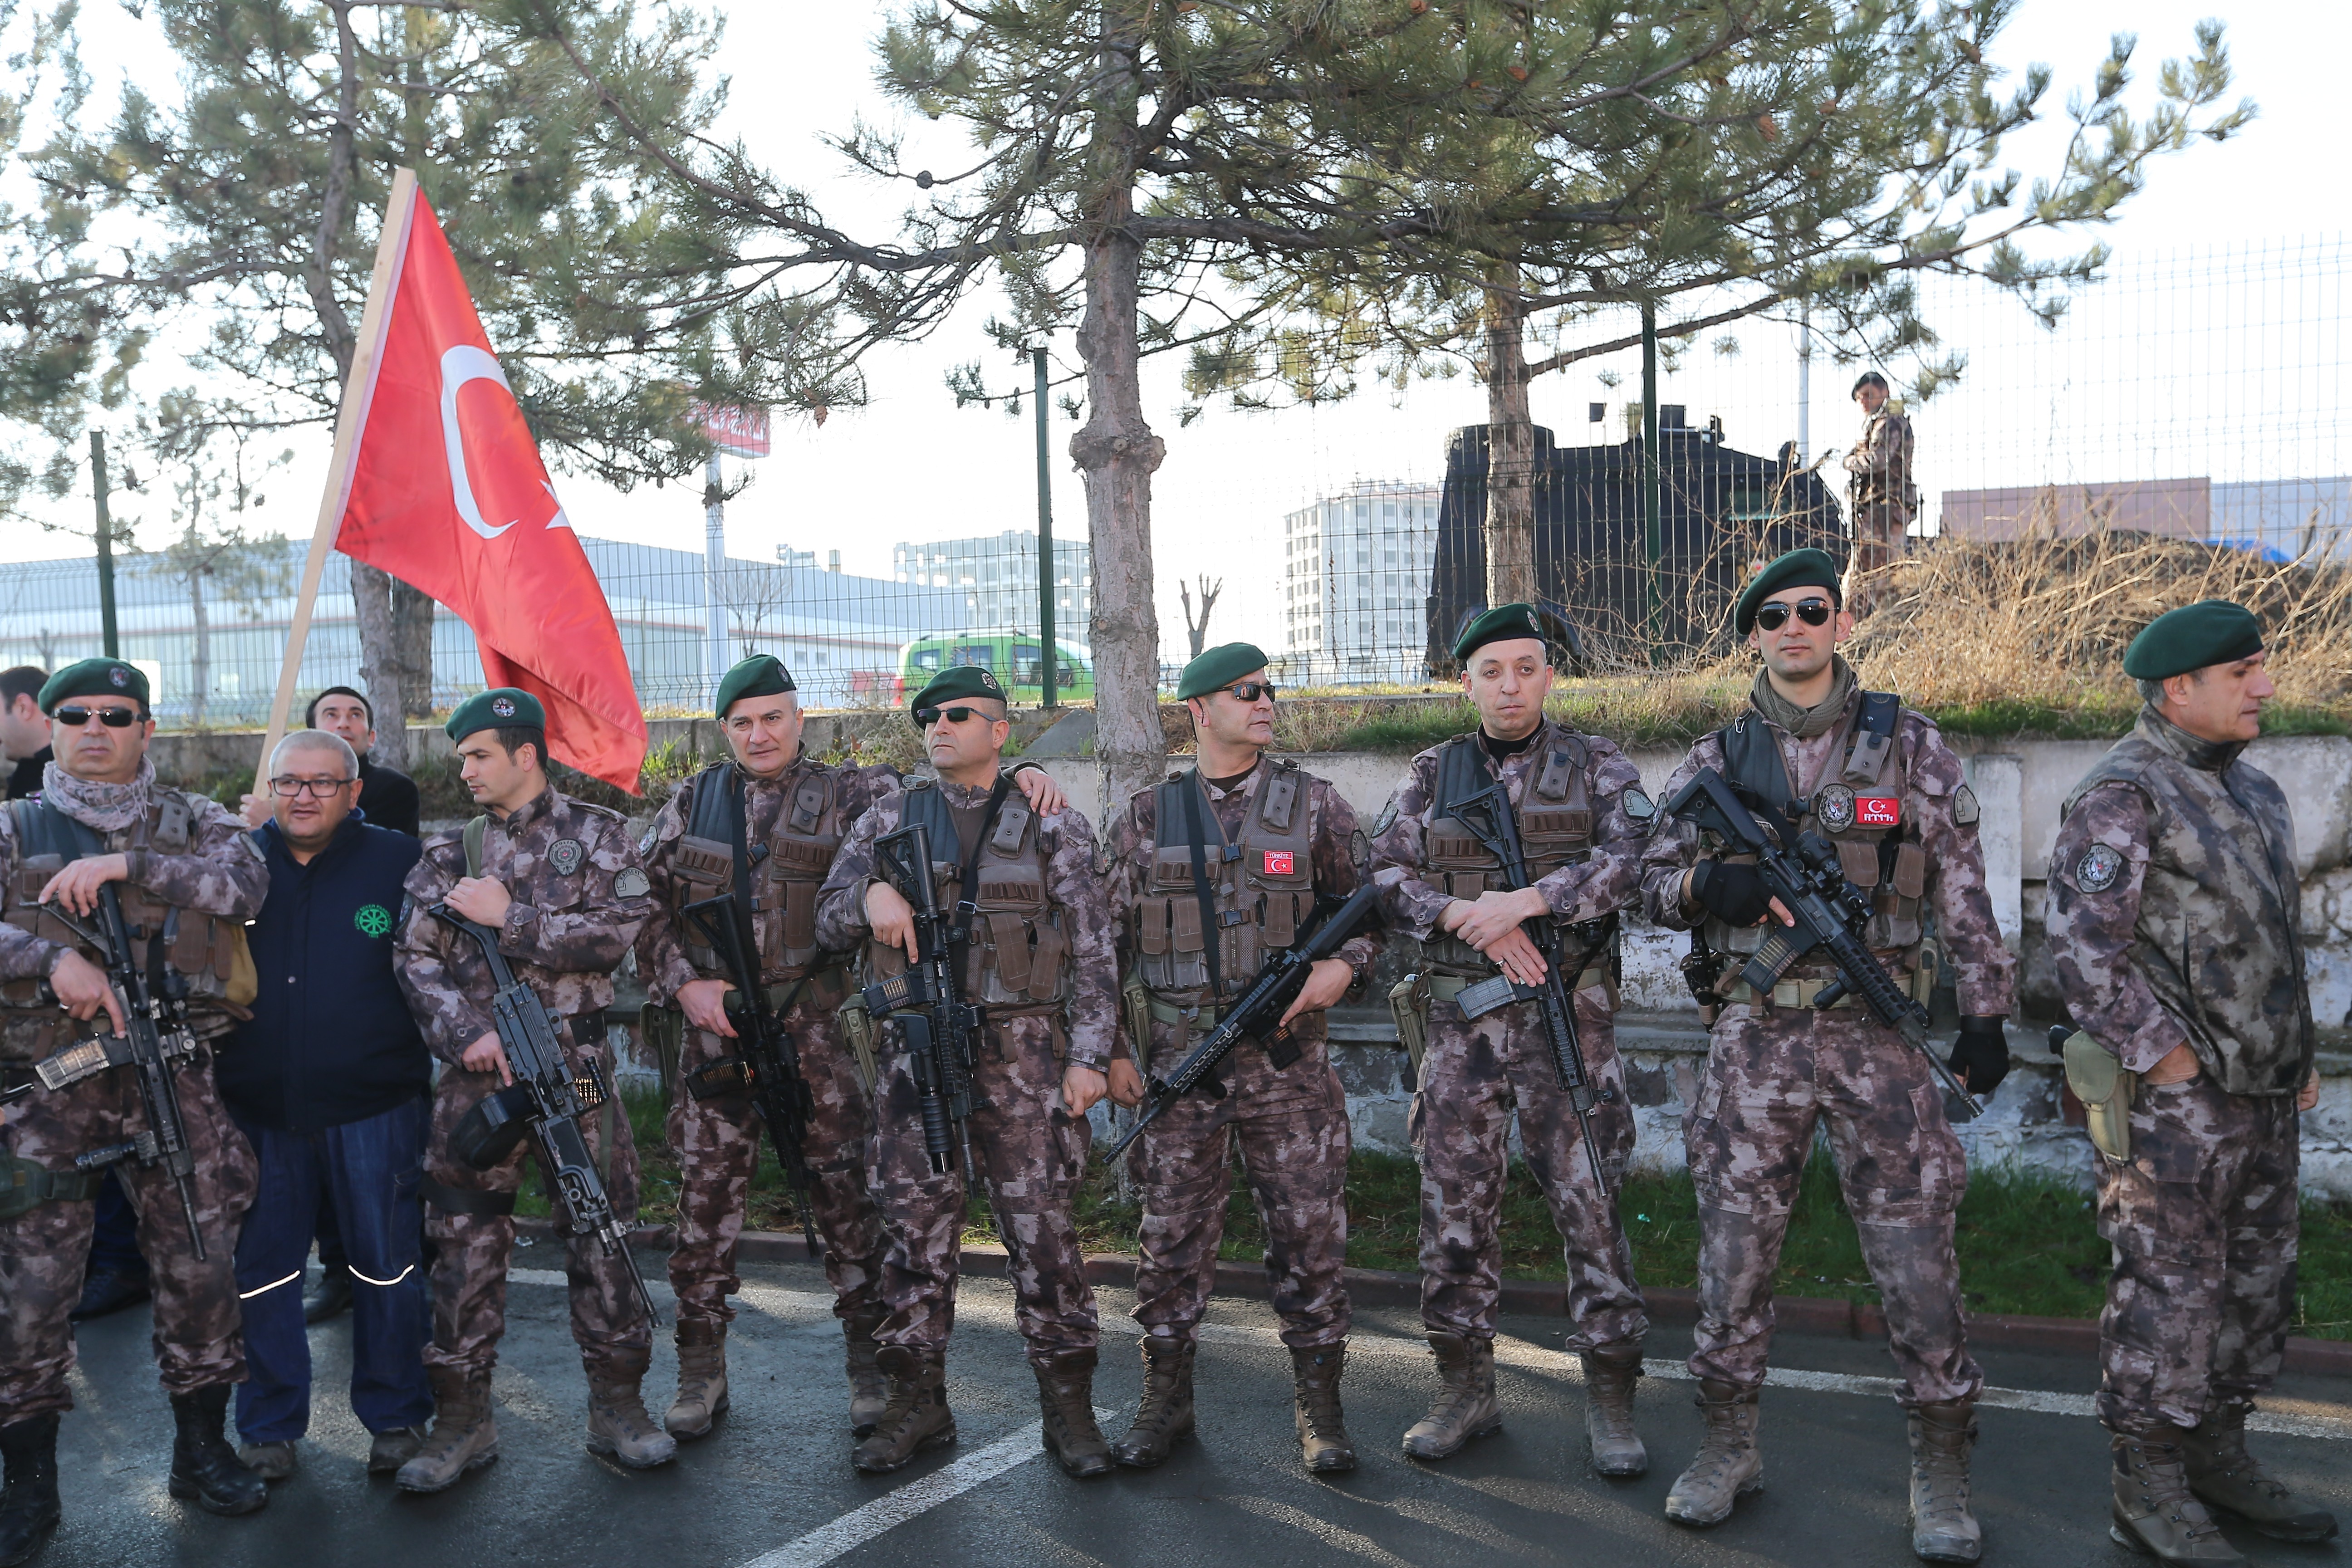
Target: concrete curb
x,y
1385,1288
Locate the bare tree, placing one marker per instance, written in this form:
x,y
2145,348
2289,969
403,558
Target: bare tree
x,y
1199,630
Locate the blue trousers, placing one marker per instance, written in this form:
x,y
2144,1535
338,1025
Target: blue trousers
x,y
368,1170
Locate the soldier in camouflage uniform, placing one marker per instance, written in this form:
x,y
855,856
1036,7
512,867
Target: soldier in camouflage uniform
x,y
1880,495
1273,839
561,882
1877,780
2175,925
186,880
1582,820
795,811
1039,961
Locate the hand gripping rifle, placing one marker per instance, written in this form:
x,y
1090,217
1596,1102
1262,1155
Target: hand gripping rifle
x,y
545,1104
1255,1015
1489,817
943,1030
156,1008
770,1059
1831,914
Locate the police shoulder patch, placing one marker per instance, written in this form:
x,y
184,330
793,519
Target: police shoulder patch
x,y
2096,871
1638,803
565,854
1964,807
1388,817
631,883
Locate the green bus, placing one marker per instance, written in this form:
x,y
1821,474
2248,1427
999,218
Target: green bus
x,y
1013,657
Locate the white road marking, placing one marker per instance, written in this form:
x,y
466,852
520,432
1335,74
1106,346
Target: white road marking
x,y
893,1508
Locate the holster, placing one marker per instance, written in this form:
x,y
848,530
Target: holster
x,y
1135,1006
1409,1005
2106,1087
486,1135
663,1032
26,1186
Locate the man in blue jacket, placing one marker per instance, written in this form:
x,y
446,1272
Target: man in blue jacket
x,y
329,1082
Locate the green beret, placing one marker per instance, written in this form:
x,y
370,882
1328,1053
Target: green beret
x,y
2212,631
499,707
1503,623
1797,569
964,680
1219,668
95,678
761,675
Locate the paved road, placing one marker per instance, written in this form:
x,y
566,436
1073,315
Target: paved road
x,y
774,1487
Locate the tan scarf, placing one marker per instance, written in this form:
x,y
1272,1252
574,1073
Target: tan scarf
x,y
1804,723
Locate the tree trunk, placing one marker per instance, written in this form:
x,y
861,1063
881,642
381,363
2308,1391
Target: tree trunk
x,y
412,630
379,669
1510,447
201,665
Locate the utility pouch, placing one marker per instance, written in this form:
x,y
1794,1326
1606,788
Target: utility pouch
x,y
1409,1005
1135,1006
1702,969
858,1033
487,1135
2105,1086
24,1186
727,1079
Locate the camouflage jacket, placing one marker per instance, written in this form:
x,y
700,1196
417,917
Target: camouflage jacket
x,y
2175,913
1072,884
1937,809
1880,463
662,958
580,894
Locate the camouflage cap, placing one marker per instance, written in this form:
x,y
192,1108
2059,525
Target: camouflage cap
x,y
1797,569
963,680
1503,623
499,707
761,675
95,678
2212,631
1219,668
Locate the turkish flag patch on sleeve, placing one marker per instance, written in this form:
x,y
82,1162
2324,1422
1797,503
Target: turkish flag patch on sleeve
x,y
1878,810
1277,862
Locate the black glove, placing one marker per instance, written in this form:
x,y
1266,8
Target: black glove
x,y
1734,894
1980,1054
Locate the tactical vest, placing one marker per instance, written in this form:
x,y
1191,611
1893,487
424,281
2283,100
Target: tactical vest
x,y
1556,828
1017,959
1261,887
786,870
205,953
1887,862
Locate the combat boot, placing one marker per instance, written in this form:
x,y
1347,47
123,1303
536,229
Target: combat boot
x,y
1466,1407
618,1423
2155,1513
1729,1466
916,1418
29,1505
204,1468
1942,1528
2229,1478
1165,1412
869,1391
701,1379
1610,1373
465,1435
1323,1442
1066,1398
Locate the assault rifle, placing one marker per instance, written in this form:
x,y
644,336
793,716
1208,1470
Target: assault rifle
x,y
544,1104
1489,817
1255,1015
770,1059
943,1030
1831,914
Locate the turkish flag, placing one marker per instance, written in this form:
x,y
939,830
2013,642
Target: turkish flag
x,y
446,491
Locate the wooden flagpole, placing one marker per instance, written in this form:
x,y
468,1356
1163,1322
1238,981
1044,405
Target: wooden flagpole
x,y
348,422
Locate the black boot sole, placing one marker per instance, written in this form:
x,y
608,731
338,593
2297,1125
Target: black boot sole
x,y
230,1508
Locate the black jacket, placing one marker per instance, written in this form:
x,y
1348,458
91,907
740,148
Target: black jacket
x,y
389,797
331,1040
25,779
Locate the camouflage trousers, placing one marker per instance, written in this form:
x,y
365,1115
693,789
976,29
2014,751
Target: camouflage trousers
x,y
199,1330
1749,1132
1472,1076
1027,1153
718,1146
1292,1129
1878,542
2204,1226
473,1250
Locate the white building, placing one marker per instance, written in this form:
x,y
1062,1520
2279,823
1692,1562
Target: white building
x,y
1356,583
997,575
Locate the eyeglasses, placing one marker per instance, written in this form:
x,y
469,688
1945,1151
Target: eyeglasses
x,y
317,789
1812,611
927,717
74,718
1251,690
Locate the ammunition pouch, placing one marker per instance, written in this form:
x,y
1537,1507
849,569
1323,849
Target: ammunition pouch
x,y
1409,1005
488,1136
26,1186
2106,1088
466,1200
730,1078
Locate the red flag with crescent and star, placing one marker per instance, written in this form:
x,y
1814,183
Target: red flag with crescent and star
x,y
446,491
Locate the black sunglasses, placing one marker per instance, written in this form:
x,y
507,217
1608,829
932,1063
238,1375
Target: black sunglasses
x,y
927,717
74,718
1251,690
1812,611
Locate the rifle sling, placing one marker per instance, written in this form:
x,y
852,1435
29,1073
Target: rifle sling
x,y
1212,936
968,881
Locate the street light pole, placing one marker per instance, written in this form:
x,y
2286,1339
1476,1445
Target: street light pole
x,y
111,642
1652,531
1045,544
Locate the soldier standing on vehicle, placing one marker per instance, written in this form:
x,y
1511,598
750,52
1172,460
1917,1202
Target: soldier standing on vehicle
x,y
763,828
1582,818
2175,924
1039,961
103,825
1260,842
1880,497
1819,754
561,882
